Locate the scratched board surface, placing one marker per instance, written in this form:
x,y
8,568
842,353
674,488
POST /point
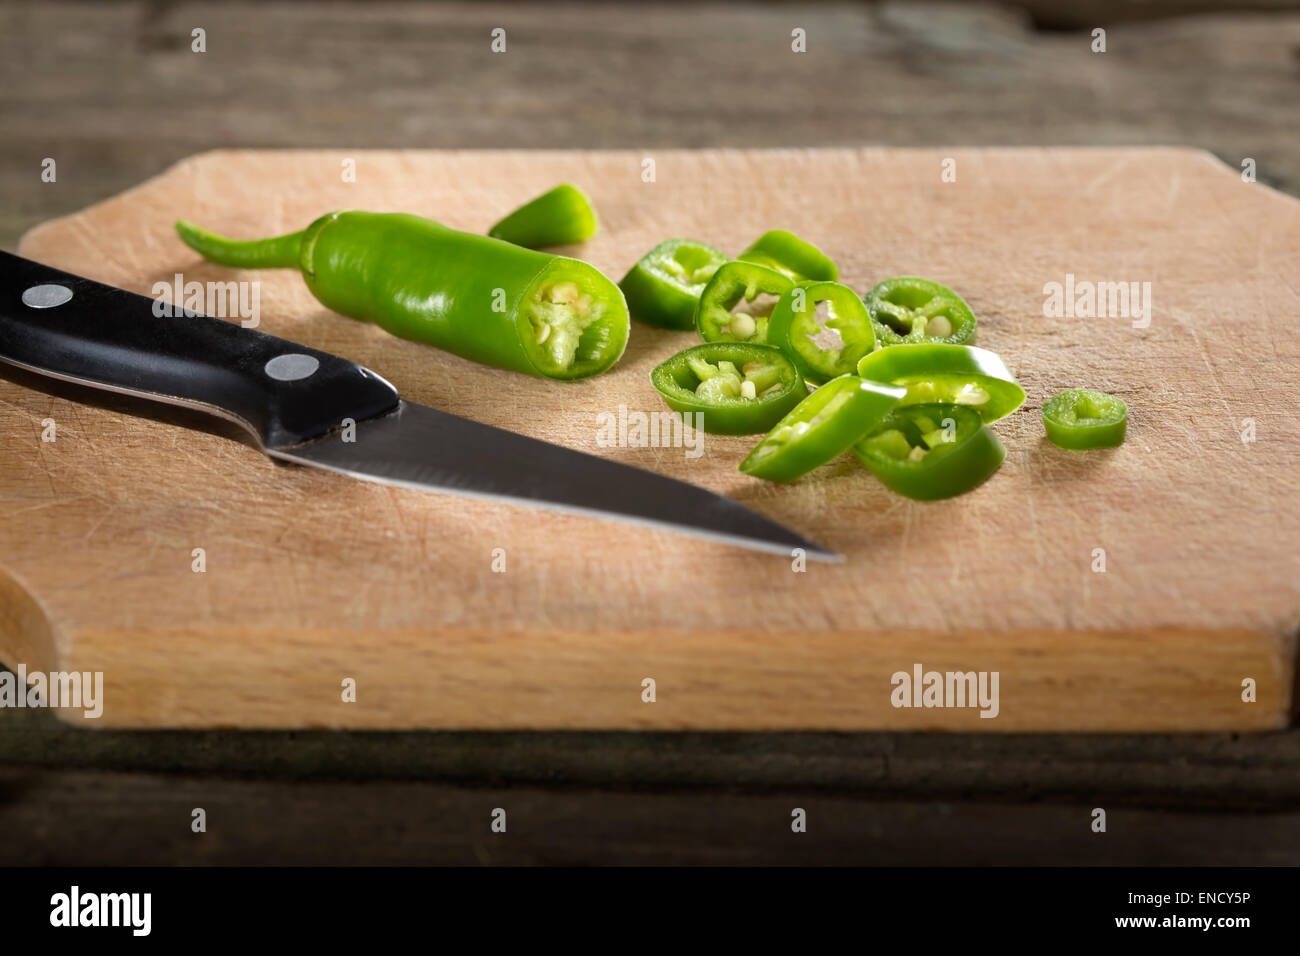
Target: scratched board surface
x,y
1127,589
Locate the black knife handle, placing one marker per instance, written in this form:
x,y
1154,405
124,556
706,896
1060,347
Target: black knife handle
x,y
76,329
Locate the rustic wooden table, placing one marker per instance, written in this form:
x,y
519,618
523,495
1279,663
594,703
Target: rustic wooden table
x,y
114,93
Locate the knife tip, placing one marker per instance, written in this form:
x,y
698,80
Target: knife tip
x,y
826,555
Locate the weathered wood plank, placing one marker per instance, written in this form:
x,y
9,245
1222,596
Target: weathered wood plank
x,y
85,818
1246,773
114,94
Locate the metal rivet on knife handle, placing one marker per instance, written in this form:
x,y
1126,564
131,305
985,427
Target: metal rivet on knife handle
x,y
46,296
292,367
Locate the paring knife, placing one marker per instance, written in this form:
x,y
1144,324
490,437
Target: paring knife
x,y
295,401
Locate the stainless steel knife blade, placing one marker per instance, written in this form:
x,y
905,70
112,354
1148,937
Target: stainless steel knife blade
x,y
420,447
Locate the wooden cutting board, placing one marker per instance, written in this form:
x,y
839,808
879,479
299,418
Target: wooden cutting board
x,y
312,578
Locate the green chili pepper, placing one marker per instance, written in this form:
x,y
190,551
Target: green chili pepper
x,y
1081,418
664,287
788,254
735,387
556,218
928,452
823,426
947,374
737,304
908,310
822,352
481,298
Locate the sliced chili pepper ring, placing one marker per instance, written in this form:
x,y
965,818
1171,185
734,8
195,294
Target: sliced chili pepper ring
x,y
947,374
788,254
930,452
1081,418
737,303
822,352
736,388
664,287
821,428
909,310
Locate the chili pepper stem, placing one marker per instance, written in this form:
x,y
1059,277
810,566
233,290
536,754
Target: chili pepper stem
x,y
278,252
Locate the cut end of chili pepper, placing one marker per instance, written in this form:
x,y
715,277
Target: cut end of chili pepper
x,y
1080,418
573,320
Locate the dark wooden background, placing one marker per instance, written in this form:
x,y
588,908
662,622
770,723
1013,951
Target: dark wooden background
x,y
114,94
